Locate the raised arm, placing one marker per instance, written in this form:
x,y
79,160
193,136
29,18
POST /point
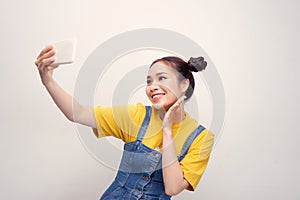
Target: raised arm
x,y
74,111
172,171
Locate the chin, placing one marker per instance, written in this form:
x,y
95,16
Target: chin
x,y
160,106
157,106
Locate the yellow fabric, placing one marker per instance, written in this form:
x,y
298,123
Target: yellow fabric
x,y
123,122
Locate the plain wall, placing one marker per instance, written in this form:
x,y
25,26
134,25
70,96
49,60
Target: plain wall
x,y
253,44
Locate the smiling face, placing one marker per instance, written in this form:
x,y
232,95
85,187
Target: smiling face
x,y
163,86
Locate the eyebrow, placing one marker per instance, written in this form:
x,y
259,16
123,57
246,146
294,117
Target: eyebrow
x,y
157,74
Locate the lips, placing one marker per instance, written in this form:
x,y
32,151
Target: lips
x,y
157,96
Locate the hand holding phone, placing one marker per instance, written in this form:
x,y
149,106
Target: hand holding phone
x,y
65,52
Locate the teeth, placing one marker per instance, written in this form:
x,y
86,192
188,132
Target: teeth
x,y
156,95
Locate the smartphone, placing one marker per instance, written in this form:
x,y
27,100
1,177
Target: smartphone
x,y
65,52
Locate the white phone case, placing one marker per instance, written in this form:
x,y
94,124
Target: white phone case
x,y
65,52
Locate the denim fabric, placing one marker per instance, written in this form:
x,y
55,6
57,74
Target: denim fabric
x,y
140,174
189,141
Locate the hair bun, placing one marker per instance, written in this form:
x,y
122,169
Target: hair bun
x,y
197,64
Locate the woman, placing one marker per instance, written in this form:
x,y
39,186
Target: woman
x,y
165,150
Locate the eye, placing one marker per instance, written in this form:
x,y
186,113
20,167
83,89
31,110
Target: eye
x,y
162,78
148,81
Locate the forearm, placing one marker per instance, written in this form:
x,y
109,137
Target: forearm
x,y
65,102
172,172
61,98
74,111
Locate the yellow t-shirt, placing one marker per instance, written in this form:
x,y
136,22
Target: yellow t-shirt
x,y
124,122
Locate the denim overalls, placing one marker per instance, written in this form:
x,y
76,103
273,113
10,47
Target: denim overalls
x,y
140,174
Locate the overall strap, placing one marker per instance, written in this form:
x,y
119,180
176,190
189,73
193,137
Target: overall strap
x,y
189,141
145,124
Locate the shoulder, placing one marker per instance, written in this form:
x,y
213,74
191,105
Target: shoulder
x,y
119,113
203,142
136,110
118,110
203,133
131,113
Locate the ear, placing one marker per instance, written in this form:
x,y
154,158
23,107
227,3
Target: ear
x,y
184,85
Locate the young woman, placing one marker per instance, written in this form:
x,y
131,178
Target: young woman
x,y
165,150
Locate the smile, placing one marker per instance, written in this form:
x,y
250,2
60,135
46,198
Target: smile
x,y
157,96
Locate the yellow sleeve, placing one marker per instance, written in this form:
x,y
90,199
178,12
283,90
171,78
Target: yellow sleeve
x,y
195,161
119,121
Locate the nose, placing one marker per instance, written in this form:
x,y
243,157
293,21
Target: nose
x,y
154,86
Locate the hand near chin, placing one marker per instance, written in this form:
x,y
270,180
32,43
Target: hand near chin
x,y
174,115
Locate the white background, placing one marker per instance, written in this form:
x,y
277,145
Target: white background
x,y
254,45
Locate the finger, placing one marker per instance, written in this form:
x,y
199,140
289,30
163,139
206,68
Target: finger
x,y
43,53
46,49
46,62
174,106
52,67
45,56
48,54
181,99
178,103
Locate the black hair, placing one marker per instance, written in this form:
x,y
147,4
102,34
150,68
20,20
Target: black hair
x,y
185,69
